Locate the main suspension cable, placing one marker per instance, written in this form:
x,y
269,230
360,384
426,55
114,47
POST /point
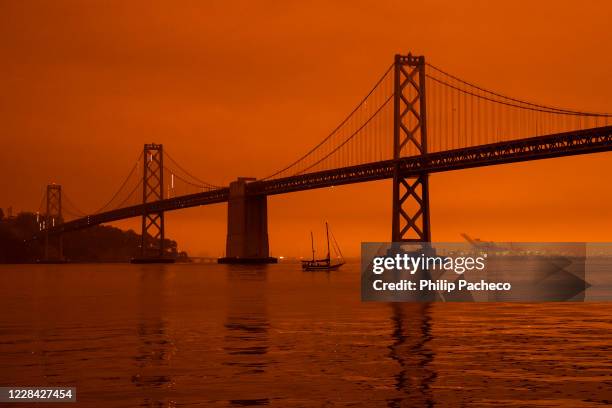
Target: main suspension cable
x,y
333,132
546,108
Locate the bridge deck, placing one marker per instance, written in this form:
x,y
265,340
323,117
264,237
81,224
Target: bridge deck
x,y
541,147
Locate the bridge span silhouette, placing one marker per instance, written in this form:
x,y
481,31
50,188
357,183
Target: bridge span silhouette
x,y
416,120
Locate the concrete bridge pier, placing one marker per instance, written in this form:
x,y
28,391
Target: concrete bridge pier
x,y
247,226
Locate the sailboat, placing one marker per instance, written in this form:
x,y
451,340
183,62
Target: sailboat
x,y
326,263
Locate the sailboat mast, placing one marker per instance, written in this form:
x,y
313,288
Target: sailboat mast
x,y
327,233
312,246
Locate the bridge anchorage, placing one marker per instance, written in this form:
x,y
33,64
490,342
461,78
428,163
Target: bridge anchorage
x,y
247,226
400,131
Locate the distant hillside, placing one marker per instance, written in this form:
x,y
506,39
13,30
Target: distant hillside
x,y
96,244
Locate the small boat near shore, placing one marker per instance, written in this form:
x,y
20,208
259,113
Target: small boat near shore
x,y
325,264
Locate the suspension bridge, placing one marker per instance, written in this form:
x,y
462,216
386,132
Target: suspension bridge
x,y
417,119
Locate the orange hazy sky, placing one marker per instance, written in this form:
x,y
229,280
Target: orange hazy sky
x,y
240,88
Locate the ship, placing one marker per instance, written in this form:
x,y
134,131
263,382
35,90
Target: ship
x,y
325,264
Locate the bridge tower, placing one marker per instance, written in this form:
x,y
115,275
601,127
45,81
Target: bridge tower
x,y
410,218
53,217
152,239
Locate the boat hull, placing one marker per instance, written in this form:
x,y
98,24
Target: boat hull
x,y
160,260
314,268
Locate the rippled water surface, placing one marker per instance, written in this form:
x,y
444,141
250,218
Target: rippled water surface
x,y
215,335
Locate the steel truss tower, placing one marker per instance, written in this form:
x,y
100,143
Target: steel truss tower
x,y
152,240
53,217
410,222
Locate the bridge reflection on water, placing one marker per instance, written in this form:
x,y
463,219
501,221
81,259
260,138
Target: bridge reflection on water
x,y
213,335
